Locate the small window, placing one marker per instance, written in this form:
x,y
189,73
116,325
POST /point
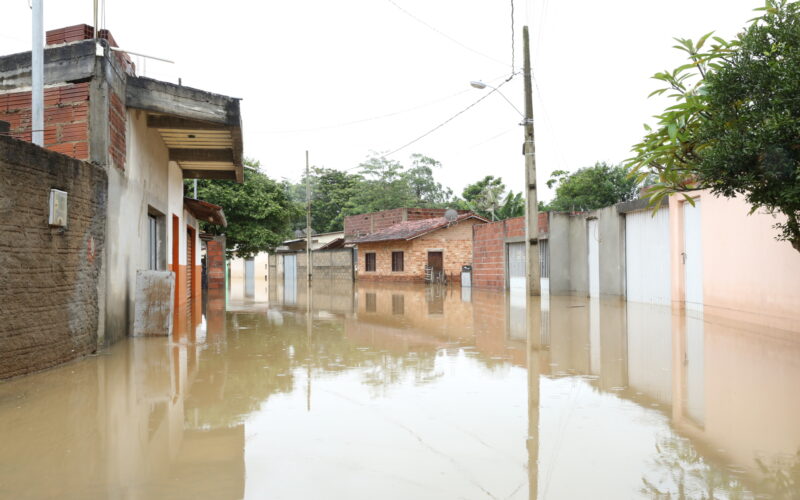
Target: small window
x,y
369,262
398,304
372,302
152,242
397,262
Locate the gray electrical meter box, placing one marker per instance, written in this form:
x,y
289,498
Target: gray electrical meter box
x,y
58,208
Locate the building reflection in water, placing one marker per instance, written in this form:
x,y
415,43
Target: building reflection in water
x,y
623,400
715,401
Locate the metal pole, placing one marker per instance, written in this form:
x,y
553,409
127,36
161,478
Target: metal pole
x,y
37,74
195,189
531,207
308,221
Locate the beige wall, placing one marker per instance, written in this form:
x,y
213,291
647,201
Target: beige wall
x,y
747,274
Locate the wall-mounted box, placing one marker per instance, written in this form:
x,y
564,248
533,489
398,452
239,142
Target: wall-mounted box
x,y
58,208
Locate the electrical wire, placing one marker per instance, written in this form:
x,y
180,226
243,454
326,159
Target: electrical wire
x,y
437,127
412,16
362,120
513,55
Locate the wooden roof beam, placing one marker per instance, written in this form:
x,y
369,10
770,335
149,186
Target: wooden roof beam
x,y
210,155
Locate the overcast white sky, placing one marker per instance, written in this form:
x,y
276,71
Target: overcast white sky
x,y
345,78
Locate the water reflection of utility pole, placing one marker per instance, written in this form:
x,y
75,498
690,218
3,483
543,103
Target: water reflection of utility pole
x,y
308,341
533,328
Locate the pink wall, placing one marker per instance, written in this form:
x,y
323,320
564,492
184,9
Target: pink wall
x,y
747,274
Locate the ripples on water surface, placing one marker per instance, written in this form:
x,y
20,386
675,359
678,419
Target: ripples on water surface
x,y
414,392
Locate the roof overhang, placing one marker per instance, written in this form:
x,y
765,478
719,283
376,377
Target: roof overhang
x,y
206,211
202,130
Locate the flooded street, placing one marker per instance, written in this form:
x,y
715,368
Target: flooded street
x,y
392,391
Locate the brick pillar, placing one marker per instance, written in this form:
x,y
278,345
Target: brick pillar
x,y
215,262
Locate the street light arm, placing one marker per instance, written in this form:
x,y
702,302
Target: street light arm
x,y
483,85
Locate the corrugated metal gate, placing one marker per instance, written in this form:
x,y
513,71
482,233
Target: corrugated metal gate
x,y
515,257
647,262
544,259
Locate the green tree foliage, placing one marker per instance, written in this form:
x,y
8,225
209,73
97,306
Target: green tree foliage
x,y
488,198
259,211
735,126
379,184
331,192
473,191
590,188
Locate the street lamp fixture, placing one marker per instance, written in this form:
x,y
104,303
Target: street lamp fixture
x,y
481,85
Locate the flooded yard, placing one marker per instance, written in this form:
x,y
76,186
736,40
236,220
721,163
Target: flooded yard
x,y
396,392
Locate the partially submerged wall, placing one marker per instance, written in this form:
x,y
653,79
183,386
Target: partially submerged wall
x,y
747,274
489,251
49,277
569,252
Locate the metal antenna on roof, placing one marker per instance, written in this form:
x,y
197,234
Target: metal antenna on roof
x,y
451,215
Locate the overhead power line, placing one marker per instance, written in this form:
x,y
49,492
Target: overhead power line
x,y
432,28
437,127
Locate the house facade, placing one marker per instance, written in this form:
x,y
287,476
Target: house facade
x,y
403,251
149,136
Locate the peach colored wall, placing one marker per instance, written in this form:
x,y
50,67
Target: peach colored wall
x,y
746,272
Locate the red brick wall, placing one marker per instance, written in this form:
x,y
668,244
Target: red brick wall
x,y
215,263
116,130
66,118
489,250
364,224
489,259
428,213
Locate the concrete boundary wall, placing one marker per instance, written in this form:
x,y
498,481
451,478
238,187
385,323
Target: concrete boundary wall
x,y
328,264
51,278
569,257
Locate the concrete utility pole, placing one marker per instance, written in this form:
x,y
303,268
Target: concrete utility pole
x,y
308,221
532,268
37,73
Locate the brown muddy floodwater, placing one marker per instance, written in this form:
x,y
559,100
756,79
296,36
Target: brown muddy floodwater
x,y
408,392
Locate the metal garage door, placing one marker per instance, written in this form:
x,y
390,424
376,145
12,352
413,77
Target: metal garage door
x,y
515,257
290,279
692,256
647,263
593,237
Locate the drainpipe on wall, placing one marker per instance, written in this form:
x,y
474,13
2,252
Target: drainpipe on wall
x,y
37,74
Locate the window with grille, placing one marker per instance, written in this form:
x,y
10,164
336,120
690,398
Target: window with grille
x,y
397,261
369,262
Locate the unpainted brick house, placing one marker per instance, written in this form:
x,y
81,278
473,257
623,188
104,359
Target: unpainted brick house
x,y
402,251
148,136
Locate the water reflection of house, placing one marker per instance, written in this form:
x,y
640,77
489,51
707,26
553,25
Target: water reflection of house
x,y
132,424
409,317
726,387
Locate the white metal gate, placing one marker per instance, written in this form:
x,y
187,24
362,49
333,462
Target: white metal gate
x,y
249,278
692,256
647,260
593,236
515,257
290,279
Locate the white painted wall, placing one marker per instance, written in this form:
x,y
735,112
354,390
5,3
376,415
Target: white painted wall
x,y
149,180
143,183
692,257
647,257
